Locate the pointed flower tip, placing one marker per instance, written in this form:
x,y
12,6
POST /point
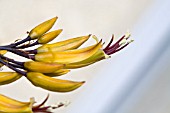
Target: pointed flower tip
x,y
32,102
83,82
127,35
90,35
95,38
113,36
100,41
60,30
54,18
103,43
42,28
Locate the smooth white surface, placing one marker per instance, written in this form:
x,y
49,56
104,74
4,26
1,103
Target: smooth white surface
x,y
117,93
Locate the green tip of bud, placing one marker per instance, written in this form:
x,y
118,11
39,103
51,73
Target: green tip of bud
x,y
95,38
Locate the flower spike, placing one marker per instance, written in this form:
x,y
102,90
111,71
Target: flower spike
x,y
46,61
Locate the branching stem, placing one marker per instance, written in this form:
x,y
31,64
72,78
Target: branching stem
x,y
13,45
13,68
18,52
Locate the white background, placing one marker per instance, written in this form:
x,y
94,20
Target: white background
x,y
135,80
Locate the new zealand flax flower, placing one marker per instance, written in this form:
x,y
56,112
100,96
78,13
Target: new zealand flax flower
x,y
50,60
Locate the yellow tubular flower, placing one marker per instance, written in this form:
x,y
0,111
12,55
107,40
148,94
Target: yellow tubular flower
x,y
42,28
52,84
49,36
8,77
69,44
70,56
49,61
12,102
100,55
11,109
9,105
42,67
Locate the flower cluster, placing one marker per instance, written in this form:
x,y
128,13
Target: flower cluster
x,y
52,60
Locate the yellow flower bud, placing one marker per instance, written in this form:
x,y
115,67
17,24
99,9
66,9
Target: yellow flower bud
x,y
10,105
42,67
99,55
69,44
49,36
52,84
42,28
8,77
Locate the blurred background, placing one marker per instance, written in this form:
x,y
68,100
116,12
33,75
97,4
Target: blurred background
x,y
135,80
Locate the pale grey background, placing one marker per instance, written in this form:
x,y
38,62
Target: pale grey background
x,y
102,18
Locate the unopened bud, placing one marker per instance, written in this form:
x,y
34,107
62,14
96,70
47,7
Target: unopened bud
x,y
42,28
49,36
42,66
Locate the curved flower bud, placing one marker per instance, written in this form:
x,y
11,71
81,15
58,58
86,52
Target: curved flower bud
x,y
42,28
49,36
69,44
8,77
9,105
42,67
52,84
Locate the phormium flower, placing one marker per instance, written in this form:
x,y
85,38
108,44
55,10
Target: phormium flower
x,y
49,61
